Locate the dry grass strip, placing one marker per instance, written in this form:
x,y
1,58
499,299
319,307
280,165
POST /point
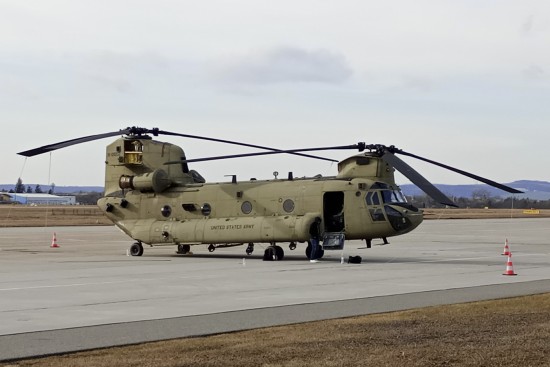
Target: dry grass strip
x,y
510,332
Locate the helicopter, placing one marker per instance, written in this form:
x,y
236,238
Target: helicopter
x,y
154,197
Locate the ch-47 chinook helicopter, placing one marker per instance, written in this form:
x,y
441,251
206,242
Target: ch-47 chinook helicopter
x,y
153,196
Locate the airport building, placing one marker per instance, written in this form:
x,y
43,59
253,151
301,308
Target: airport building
x,y
36,199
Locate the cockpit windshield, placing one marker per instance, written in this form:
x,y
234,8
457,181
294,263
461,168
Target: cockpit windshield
x,y
393,196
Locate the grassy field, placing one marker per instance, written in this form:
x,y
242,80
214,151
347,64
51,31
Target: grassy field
x,y
510,332
51,216
460,213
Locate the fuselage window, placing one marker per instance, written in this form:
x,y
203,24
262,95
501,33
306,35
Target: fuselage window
x,y
288,206
246,207
206,209
166,211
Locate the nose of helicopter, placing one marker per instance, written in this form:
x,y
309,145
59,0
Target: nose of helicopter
x,y
415,217
404,219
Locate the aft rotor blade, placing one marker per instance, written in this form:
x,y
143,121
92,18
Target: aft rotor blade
x,y
241,144
67,143
417,179
467,174
290,151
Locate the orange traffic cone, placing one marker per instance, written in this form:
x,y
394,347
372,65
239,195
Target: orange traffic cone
x,y
54,242
509,266
506,251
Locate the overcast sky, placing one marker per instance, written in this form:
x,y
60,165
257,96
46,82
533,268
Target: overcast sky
x,y
464,82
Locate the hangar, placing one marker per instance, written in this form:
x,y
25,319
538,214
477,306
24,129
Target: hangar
x,y
36,199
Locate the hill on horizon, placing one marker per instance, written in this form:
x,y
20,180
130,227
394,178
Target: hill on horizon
x,y
533,190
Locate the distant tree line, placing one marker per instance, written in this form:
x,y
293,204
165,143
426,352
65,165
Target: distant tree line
x,y
20,188
83,198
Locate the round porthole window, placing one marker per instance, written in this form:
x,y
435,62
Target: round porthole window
x,y
288,206
246,207
166,211
206,209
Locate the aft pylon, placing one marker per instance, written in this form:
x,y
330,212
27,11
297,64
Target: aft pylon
x,y
509,266
506,250
54,242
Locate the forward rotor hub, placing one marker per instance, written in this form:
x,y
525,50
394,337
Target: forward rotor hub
x,y
135,131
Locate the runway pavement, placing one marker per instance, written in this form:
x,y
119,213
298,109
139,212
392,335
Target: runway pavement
x,y
89,294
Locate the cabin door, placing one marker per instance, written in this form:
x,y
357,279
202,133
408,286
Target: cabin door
x,y
333,211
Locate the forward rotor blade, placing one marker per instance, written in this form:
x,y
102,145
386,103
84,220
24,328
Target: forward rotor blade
x,y
290,151
67,143
239,143
417,179
467,174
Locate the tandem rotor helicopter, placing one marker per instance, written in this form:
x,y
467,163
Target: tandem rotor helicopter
x,y
155,198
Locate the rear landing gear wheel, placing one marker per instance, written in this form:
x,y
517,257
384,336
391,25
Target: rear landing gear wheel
x,y
274,253
279,252
184,249
269,254
136,249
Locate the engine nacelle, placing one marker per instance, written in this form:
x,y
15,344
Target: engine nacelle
x,y
156,181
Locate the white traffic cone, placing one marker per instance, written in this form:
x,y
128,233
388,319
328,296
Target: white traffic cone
x,y
509,266
54,242
506,251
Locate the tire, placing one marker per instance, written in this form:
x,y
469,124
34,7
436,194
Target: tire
x,y
184,249
269,254
320,251
136,249
279,252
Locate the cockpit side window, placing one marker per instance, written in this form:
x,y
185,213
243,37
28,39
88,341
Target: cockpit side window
x,y
372,198
393,196
373,201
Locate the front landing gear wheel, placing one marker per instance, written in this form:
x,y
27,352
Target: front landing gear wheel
x,y
320,251
136,249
